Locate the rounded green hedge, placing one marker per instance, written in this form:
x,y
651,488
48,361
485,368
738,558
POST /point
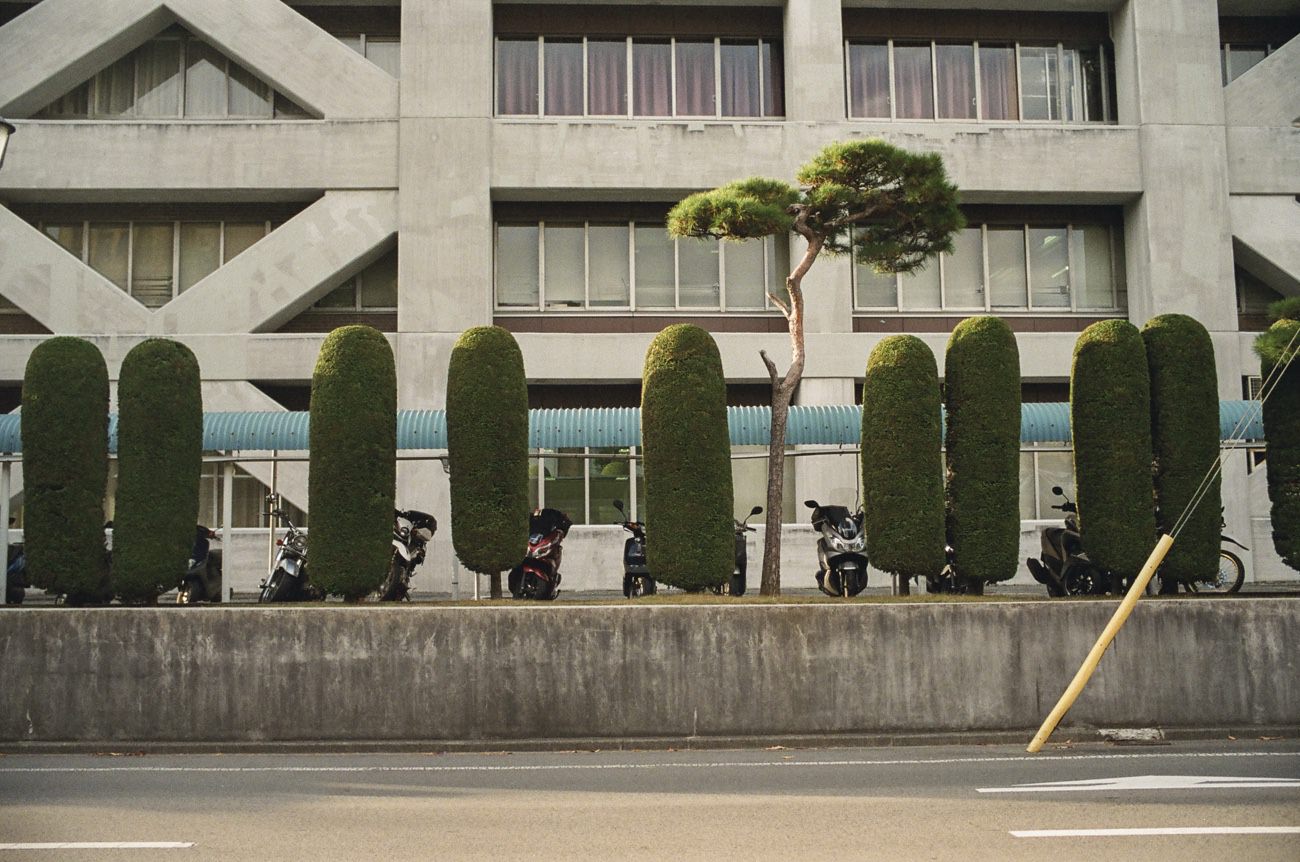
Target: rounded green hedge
x,y
65,468
902,467
1184,441
487,450
1110,421
1282,433
687,450
982,389
159,460
353,476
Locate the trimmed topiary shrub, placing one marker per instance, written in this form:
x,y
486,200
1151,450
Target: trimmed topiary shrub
x,y
487,451
982,388
159,460
902,469
1184,441
1282,433
65,468
1110,421
687,451
353,476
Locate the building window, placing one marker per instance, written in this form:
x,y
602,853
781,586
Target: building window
x,y
169,77
372,289
1238,58
998,267
956,80
385,51
638,77
578,265
1040,470
155,260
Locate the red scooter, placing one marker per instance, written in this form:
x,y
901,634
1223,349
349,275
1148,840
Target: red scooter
x,y
538,576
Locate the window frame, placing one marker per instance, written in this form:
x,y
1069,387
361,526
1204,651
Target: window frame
x,y
770,265
1029,308
630,114
131,223
1062,47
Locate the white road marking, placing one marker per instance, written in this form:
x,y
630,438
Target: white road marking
x,y
101,845
715,764
1157,830
1148,782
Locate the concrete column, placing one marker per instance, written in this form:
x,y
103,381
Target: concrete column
x,y
1178,234
445,207
814,60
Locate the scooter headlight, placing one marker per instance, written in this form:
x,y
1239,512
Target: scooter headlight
x,y
849,546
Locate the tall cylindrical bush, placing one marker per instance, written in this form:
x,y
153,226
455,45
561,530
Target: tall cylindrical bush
x,y
1282,430
487,451
982,389
687,449
159,460
353,475
1184,441
65,468
1110,421
902,471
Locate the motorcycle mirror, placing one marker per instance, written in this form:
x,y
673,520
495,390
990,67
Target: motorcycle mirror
x,y
618,504
811,504
1058,491
757,510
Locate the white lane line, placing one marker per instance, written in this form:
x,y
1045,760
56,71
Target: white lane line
x,y
1159,830
715,764
101,845
1149,782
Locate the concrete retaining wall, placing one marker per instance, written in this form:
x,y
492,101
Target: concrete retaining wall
x,y
508,673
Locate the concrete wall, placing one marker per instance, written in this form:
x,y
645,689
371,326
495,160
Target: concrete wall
x,y
589,672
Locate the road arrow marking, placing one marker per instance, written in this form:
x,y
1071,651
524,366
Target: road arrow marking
x,y
1148,782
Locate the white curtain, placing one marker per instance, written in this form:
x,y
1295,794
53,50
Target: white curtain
x,y
159,79
200,252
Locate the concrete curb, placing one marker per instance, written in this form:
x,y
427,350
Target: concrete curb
x,y
1064,736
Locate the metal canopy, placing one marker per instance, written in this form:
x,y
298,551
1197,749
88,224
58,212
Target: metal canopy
x,y
617,427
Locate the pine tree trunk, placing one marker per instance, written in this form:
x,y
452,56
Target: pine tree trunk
x,y
782,392
494,585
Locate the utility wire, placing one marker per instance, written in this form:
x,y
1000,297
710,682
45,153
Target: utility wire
x,y
1269,384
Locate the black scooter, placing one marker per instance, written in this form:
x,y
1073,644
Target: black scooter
x,y
1063,566
736,585
202,580
412,532
841,550
636,574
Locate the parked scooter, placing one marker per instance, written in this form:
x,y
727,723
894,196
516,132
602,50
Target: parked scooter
x,y
202,579
948,581
412,532
841,550
735,586
538,575
1065,569
288,579
636,574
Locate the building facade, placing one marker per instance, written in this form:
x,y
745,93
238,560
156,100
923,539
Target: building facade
x,y
246,175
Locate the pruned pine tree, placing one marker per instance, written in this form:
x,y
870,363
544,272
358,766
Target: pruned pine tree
x,y
890,208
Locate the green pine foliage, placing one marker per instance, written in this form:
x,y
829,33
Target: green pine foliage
x,y
1185,441
159,460
65,468
353,476
982,389
1110,421
1277,349
1285,309
902,470
487,442
687,450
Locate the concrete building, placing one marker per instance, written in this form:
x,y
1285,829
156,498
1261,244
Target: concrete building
x,y
245,175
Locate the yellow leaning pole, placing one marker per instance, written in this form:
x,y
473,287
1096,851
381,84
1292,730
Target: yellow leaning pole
x,y
1099,648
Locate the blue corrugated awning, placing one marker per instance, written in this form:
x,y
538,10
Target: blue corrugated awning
x,y
617,427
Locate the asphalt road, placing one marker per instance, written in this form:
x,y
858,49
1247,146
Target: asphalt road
x,y
1241,799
